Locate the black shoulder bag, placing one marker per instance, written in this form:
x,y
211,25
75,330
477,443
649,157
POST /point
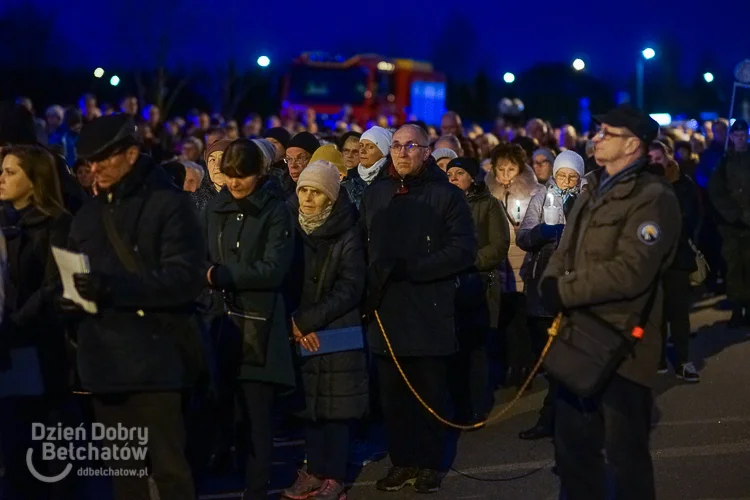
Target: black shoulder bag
x,y
253,328
587,350
188,343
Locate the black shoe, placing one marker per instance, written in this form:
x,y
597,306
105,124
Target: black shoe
x,y
397,478
428,481
537,432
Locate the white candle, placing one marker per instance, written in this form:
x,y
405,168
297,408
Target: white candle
x,y
518,211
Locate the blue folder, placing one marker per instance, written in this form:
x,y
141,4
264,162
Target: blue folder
x,y
337,340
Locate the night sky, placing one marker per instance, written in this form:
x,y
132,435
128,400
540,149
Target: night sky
x,y
500,36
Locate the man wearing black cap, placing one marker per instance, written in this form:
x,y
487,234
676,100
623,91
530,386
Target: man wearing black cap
x,y
146,254
729,190
298,154
620,237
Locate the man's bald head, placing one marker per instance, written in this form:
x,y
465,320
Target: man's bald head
x,y
424,138
410,150
451,124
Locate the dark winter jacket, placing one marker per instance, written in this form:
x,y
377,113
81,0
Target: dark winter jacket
x,y
252,242
729,190
29,318
138,339
426,229
74,195
332,287
625,237
493,236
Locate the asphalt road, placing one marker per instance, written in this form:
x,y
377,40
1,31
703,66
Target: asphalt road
x,y
701,443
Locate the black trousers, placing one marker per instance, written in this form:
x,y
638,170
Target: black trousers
x,y
161,413
618,420
677,302
470,374
736,252
538,327
256,403
328,448
415,438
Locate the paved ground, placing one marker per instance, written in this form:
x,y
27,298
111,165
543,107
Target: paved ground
x,y
701,445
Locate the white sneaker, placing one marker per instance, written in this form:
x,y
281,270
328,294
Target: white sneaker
x,y
688,373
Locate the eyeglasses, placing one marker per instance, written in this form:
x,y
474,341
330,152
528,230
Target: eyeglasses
x,y
410,146
604,134
571,178
300,160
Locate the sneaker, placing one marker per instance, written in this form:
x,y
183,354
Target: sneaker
x,y
397,478
306,486
663,368
331,490
688,373
428,481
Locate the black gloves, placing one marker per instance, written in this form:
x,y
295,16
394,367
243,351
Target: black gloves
x,y
550,293
93,286
551,232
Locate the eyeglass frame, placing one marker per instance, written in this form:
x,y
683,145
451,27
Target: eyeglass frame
x,y
410,146
298,160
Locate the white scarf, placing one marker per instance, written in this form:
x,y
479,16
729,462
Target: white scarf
x,y
368,174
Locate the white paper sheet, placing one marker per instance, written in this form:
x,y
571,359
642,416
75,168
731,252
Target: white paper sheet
x,y
70,263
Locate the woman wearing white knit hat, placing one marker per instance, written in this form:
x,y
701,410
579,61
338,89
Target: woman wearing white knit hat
x,y
374,148
331,286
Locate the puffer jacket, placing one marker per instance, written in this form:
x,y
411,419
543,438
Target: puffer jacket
x,y
539,249
331,290
515,199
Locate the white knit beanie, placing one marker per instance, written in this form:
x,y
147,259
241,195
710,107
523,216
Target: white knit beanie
x,y
441,153
379,136
323,176
569,159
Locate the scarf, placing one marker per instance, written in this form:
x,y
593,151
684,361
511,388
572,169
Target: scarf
x,y
310,223
565,194
368,174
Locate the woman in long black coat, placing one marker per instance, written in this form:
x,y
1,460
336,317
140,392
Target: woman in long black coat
x,y
333,281
251,245
32,341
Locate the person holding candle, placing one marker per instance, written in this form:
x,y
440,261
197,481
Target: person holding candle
x,y
514,183
539,235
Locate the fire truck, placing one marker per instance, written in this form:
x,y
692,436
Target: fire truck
x,y
370,84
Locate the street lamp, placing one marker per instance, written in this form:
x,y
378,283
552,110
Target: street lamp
x,y
264,61
708,76
509,77
114,81
647,53
579,65
98,72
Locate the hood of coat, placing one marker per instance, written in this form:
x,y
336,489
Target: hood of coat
x,y
269,190
520,190
343,217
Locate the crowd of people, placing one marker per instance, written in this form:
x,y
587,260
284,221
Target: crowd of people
x,y
240,272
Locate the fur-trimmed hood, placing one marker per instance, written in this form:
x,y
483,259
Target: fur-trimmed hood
x,y
518,193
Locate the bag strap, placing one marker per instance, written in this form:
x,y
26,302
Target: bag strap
x,y
124,255
323,271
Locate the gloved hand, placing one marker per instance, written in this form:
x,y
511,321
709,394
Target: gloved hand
x,y
66,307
550,295
551,232
93,286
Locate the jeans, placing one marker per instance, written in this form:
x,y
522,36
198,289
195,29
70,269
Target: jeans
x,y
618,421
161,413
415,438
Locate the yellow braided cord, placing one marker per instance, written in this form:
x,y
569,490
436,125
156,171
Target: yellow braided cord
x,y
552,333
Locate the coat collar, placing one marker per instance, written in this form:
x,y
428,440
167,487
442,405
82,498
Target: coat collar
x,y
268,190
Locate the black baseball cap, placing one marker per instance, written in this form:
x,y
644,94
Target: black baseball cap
x,y
635,120
107,135
739,125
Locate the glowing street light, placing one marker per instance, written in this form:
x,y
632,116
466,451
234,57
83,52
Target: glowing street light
x,y
649,53
264,61
579,65
708,76
114,81
509,77
98,72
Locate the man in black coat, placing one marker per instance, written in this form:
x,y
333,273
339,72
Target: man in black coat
x,y
146,252
420,236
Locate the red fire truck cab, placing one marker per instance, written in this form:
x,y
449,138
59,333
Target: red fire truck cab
x,y
372,85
